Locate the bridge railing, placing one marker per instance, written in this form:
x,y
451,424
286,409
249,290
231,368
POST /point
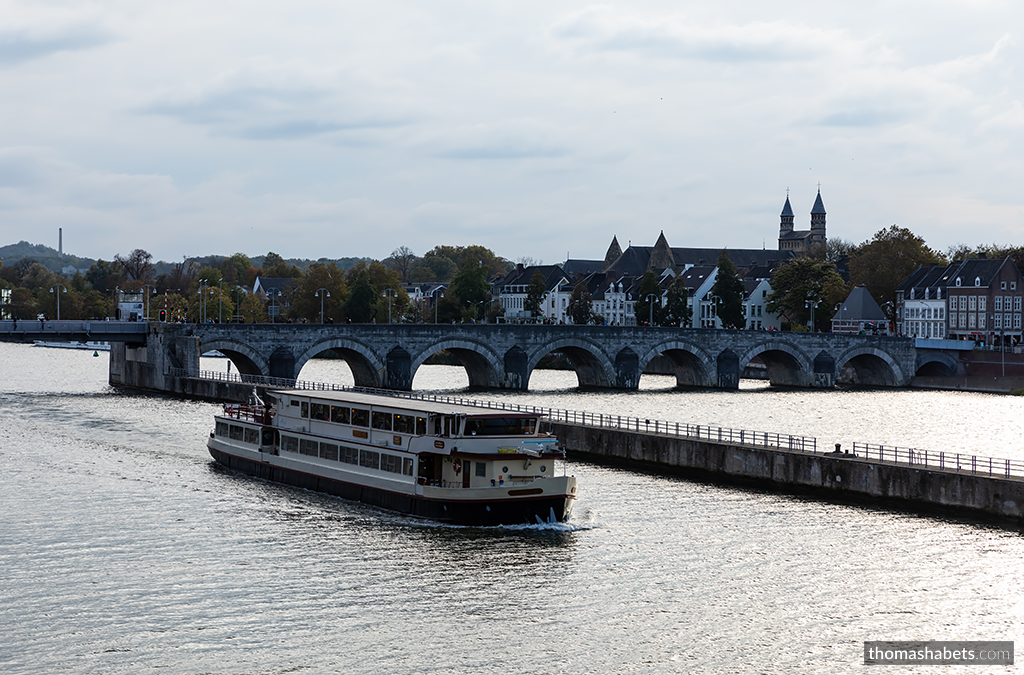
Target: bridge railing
x,y
926,459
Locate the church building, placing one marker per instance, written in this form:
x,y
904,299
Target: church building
x,y
801,242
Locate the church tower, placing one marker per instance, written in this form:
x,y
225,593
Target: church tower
x,y
613,254
661,257
818,221
785,225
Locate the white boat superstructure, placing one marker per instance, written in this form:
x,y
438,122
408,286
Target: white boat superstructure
x,y
437,460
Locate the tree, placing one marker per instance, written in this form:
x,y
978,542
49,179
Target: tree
x,y
884,262
469,289
104,276
677,310
535,295
236,269
806,279
402,260
836,248
648,311
361,304
581,304
306,303
730,293
138,266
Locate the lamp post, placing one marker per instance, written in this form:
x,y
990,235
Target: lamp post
x,y
272,292
713,302
114,298
202,314
220,298
650,305
437,301
390,294
62,289
238,302
326,294
839,308
152,291
812,304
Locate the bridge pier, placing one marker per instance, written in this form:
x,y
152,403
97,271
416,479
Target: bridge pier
x,y
627,369
517,370
728,370
399,370
824,370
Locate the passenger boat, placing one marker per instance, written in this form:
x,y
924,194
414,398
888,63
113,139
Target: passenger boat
x,y
452,463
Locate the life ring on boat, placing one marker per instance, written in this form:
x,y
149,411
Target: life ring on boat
x,y
457,465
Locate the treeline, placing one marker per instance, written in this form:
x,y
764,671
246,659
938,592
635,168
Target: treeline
x,y
221,288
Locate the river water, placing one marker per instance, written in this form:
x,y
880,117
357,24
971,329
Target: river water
x,y
124,549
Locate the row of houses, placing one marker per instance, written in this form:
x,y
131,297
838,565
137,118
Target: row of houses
x,y
977,299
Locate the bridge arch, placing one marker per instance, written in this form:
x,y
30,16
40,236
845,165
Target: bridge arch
x,y
787,364
932,363
694,366
366,365
483,365
594,368
247,360
870,366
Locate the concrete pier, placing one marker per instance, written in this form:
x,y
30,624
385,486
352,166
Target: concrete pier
x,y
832,475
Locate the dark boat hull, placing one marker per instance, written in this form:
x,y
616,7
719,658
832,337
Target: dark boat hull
x,y
525,510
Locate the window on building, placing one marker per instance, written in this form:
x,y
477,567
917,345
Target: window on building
x,y
1002,285
981,303
997,304
972,303
997,321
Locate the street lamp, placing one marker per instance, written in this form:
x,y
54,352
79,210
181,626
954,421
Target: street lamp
x,y
839,308
650,300
437,302
114,298
238,302
272,292
713,302
202,314
220,288
390,294
152,291
812,304
327,294
63,289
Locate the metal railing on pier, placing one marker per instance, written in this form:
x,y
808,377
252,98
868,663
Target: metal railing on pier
x,y
926,459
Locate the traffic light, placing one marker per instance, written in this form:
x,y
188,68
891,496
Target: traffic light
x,y
163,315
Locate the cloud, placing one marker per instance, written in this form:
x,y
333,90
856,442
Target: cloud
x,y
505,139
19,44
599,29
265,100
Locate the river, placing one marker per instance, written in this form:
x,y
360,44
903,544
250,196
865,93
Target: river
x,y
125,549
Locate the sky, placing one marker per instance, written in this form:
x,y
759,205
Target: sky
x,y
316,128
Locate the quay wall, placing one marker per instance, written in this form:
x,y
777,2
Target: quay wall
x,y
832,476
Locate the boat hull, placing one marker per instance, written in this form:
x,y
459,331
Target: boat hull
x,y
477,511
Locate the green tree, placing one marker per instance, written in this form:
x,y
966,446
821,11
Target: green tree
x,y
884,262
306,302
469,289
361,304
647,310
104,276
535,295
677,310
730,292
138,265
806,279
581,305
236,270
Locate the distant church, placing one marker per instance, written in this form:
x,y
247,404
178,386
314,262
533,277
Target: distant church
x,y
802,241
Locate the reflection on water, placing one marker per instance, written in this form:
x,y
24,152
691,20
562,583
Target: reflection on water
x,y
125,549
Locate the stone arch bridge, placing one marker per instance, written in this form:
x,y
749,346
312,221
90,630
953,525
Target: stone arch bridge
x,y
503,356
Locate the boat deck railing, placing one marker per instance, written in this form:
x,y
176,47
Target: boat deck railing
x,y
926,459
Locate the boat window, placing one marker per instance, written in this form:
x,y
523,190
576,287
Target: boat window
x,y
407,466
304,408
382,420
289,443
339,414
236,432
501,426
329,451
307,447
320,411
390,463
369,459
252,436
222,428
421,426
481,469
349,455
405,424
360,417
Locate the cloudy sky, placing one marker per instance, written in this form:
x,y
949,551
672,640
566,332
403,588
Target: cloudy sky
x,y
318,128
